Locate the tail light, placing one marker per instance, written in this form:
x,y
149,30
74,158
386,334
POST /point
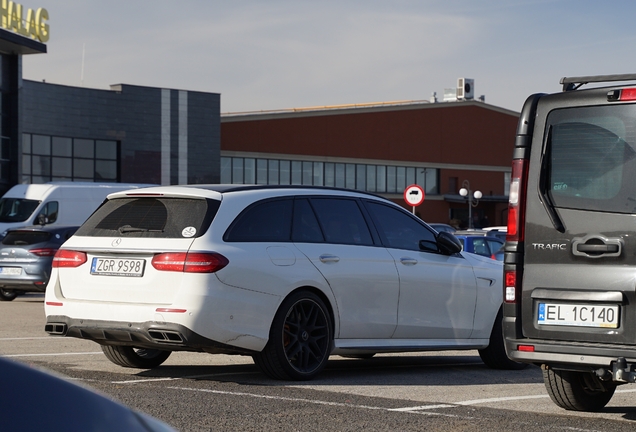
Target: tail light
x,y
191,262
512,287
517,200
43,251
68,258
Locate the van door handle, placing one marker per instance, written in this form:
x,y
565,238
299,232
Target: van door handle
x,y
326,258
596,246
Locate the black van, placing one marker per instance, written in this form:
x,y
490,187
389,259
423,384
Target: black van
x,y
570,253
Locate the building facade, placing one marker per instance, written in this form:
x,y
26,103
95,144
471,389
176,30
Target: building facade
x,y
382,149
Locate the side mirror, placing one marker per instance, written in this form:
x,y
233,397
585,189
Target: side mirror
x,y
42,219
448,244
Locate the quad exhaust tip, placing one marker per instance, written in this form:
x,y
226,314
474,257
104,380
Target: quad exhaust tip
x,y
55,328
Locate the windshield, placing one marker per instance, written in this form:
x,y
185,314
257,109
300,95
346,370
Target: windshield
x,y
16,209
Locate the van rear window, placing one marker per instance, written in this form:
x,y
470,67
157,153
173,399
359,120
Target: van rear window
x,y
591,158
151,217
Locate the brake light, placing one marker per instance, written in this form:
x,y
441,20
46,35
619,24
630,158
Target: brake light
x,y
191,262
526,348
627,94
517,200
68,258
512,287
43,251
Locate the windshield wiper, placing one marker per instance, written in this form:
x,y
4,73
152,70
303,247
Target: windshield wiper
x,y
129,229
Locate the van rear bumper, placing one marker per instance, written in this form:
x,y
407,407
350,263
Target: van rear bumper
x,y
150,334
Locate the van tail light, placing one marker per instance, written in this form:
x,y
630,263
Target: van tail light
x,y
68,258
517,200
191,262
43,251
512,286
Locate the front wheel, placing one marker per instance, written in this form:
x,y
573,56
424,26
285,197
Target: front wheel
x,y
141,358
494,355
7,295
299,339
577,391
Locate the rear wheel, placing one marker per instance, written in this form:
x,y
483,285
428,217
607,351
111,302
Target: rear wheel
x,y
494,355
577,391
141,358
7,295
299,339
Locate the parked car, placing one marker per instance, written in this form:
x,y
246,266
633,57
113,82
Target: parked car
x,y
497,231
288,275
26,256
37,400
481,243
570,296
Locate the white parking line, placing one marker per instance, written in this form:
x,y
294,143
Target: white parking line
x,y
24,338
319,402
53,354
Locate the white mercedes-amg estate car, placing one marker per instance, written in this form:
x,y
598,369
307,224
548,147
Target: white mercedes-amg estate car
x,y
286,274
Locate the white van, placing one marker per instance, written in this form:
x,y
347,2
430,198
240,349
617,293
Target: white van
x,y
60,203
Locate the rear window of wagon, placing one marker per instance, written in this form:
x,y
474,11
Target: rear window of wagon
x,y
151,217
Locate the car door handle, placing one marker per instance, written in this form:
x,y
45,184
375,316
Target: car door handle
x,y
596,246
408,261
329,258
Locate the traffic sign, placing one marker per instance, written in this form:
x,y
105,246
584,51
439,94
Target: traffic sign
x,y
414,195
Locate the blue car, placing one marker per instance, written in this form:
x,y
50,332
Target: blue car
x,y
481,243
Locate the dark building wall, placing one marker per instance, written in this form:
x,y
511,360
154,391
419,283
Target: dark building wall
x,y
452,133
131,115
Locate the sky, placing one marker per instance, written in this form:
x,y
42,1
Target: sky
x,y
264,55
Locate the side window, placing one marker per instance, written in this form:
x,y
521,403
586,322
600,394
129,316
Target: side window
x,y
399,230
494,246
480,247
342,221
268,221
305,225
48,214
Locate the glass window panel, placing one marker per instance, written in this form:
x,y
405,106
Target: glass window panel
x,y
41,165
351,176
106,149
6,149
26,143
273,172
237,170
105,170
340,175
226,170
83,148
62,167
361,177
420,177
400,183
342,221
269,221
432,183
307,173
26,164
261,171
296,172
284,172
391,185
371,178
84,168
381,179
318,174
62,147
26,179
410,176
249,170
40,179
330,174
41,145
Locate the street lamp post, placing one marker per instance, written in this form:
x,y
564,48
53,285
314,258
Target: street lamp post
x,y
472,198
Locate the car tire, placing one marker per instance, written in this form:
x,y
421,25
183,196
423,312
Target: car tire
x,y
577,391
7,295
494,355
141,358
300,339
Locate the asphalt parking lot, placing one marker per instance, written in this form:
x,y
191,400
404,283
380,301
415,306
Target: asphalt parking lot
x,y
193,391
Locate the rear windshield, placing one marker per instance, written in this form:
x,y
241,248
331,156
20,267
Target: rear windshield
x,y
25,238
151,218
590,159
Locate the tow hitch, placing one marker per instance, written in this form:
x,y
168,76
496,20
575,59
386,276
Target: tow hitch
x,y
621,371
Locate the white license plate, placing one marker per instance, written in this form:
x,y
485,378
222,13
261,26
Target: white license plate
x,y
11,271
118,267
582,315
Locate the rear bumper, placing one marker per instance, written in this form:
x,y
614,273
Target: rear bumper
x,y
153,335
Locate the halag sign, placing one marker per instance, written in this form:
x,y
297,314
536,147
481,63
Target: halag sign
x,y
34,26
